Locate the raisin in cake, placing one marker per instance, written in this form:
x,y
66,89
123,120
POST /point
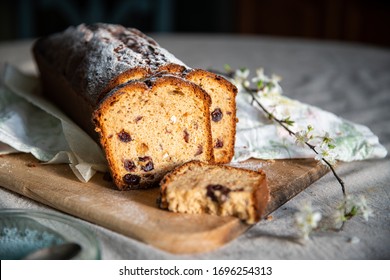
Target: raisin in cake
x,y
91,60
144,136
197,187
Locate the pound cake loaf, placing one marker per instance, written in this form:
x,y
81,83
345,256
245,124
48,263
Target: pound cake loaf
x,y
91,60
198,187
145,137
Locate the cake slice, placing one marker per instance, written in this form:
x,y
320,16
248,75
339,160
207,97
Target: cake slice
x,y
149,127
223,107
222,112
197,187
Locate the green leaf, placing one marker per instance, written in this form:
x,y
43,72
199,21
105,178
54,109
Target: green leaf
x,y
288,121
260,85
227,68
352,213
354,210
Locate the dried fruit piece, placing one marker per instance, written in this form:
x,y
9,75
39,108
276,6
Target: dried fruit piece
x,y
218,144
147,163
129,165
131,179
186,136
148,166
124,136
216,115
199,151
145,158
218,193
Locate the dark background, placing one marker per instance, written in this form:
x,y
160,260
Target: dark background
x,y
364,21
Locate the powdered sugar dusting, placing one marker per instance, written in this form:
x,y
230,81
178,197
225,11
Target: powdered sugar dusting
x,y
115,49
93,55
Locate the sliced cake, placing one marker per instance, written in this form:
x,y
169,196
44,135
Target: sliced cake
x,y
198,187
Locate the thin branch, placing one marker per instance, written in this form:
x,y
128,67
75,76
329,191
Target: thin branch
x,y
282,123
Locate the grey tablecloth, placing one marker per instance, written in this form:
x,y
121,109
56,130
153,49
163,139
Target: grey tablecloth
x,y
352,81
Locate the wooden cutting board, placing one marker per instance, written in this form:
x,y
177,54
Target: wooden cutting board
x,y
135,214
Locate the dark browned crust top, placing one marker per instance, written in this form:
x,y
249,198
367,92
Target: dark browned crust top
x,y
91,56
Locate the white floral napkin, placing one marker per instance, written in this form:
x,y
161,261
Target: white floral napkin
x,y
258,137
30,124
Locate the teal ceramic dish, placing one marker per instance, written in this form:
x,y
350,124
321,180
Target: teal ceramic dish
x,y
24,231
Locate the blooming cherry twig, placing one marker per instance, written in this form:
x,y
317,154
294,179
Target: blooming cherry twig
x,y
264,85
322,146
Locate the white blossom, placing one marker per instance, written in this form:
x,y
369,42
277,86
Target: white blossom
x,y
260,76
353,206
307,219
325,153
326,138
323,140
363,209
339,216
241,77
301,138
266,84
354,240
